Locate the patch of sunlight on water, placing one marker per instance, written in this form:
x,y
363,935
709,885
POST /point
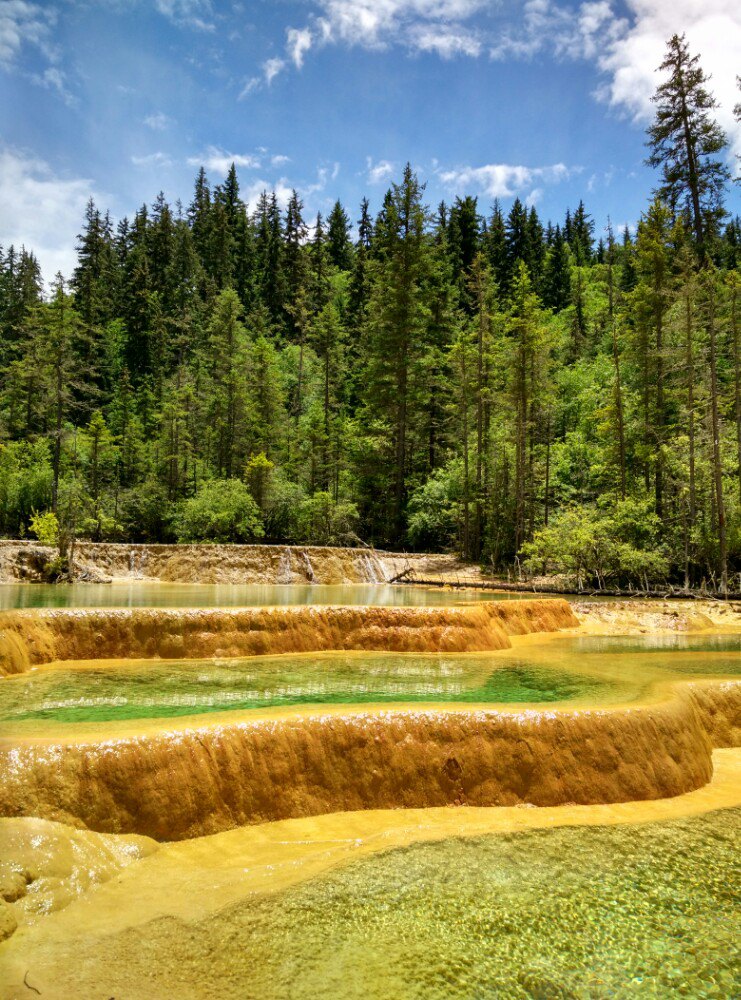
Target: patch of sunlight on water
x,y
136,594
648,910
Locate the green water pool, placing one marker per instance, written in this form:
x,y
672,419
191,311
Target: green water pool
x,y
158,689
642,911
567,669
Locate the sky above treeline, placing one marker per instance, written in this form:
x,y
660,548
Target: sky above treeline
x,y
545,100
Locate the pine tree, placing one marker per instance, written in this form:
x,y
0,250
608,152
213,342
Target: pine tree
x,y
686,142
516,235
557,274
339,246
295,235
199,214
397,320
581,236
226,353
496,248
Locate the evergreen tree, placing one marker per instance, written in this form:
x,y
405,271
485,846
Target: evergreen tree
x,y
686,142
397,320
557,274
496,248
339,246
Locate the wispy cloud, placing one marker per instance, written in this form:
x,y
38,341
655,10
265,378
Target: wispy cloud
x,y
298,43
504,180
250,86
271,68
158,159
379,172
23,23
55,80
158,121
188,13
419,25
380,23
252,192
219,161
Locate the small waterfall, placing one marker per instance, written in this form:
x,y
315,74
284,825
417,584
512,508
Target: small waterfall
x,y
309,567
373,568
284,567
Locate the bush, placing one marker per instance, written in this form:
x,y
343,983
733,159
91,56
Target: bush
x,y
593,546
435,509
46,527
326,521
221,511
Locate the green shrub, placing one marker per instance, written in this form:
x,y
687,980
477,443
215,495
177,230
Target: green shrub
x,y
221,511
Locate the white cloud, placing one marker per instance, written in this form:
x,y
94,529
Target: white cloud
x,y
504,180
152,160
378,23
418,25
271,68
158,121
41,210
279,160
379,172
298,43
218,160
23,23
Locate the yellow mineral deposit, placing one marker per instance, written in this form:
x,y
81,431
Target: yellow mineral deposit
x,y
180,817
138,881
36,637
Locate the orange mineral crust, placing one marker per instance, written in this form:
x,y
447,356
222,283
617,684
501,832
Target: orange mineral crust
x,y
172,784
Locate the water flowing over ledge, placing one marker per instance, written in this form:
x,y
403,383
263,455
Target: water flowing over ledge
x,y
28,638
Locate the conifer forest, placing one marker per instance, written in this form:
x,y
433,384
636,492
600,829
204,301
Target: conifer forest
x,y
540,395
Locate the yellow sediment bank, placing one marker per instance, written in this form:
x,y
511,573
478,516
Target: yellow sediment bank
x,y
172,783
195,879
29,638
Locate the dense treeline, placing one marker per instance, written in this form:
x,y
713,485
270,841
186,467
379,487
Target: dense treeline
x,y
511,387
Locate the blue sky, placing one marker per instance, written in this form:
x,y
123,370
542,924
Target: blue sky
x,y
544,99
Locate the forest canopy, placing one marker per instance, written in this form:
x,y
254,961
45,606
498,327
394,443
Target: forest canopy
x,y
461,377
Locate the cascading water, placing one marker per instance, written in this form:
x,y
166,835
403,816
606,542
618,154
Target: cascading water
x,y
284,567
310,576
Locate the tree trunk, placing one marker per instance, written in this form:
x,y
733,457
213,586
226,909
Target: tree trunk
x,y
715,426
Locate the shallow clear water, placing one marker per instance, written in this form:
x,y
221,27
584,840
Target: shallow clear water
x,y
156,689
596,912
560,670
139,594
